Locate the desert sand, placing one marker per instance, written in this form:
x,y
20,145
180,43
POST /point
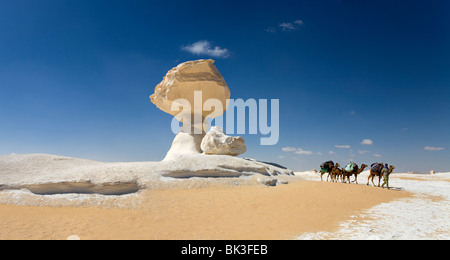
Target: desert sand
x,y
210,197
217,209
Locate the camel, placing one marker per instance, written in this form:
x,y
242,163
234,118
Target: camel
x,y
322,173
339,175
373,174
318,172
356,171
334,173
329,172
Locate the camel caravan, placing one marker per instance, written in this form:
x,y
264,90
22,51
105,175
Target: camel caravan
x,y
343,174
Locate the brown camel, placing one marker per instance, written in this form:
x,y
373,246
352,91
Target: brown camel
x,y
334,173
373,174
329,172
356,171
322,173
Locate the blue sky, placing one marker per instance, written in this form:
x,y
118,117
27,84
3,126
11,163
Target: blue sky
x,y
75,76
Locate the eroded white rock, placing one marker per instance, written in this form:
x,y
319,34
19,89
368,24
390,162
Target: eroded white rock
x,y
184,143
216,142
268,181
180,84
191,92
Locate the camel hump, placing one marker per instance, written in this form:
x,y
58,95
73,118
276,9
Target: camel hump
x,y
327,165
376,167
351,166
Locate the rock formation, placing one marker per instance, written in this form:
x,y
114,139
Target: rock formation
x,y
181,82
196,85
216,142
184,93
45,174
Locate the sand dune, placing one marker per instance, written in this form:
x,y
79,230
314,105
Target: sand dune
x,y
194,207
215,211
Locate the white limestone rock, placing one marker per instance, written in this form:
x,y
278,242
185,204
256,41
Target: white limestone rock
x,y
52,174
268,181
191,92
218,143
181,82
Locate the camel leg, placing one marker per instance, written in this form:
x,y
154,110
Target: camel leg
x,y
368,179
356,178
379,179
373,176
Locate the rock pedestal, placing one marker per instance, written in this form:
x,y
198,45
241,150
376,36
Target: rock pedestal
x,y
191,92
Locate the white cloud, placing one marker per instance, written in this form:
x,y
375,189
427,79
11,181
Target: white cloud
x,y
345,146
299,22
362,152
288,149
433,148
377,155
286,26
331,152
205,48
367,142
296,150
301,151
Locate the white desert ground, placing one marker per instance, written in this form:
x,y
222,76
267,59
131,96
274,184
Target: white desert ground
x,y
56,197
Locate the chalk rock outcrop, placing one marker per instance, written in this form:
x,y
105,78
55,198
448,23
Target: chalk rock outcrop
x,y
191,92
268,181
180,84
46,174
216,142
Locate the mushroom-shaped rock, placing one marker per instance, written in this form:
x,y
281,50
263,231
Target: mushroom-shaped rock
x,y
216,142
191,92
181,84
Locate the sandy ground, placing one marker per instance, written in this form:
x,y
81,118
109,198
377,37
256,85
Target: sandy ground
x,y
208,212
424,216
